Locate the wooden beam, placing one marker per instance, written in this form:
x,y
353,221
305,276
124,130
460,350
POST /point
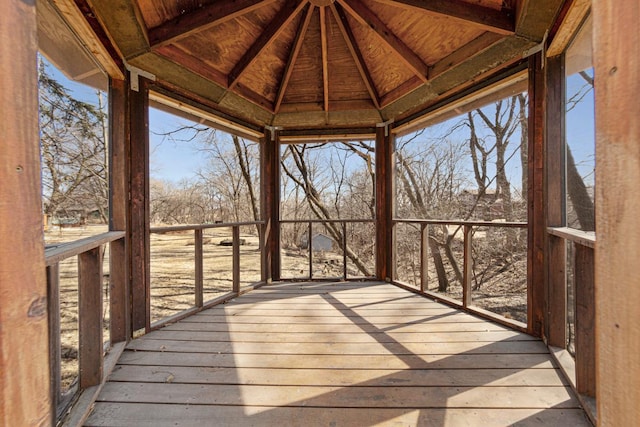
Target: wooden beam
x,y
120,315
474,48
535,197
203,18
79,25
194,64
138,231
25,397
488,19
293,57
617,85
366,17
53,306
325,59
585,321
569,26
356,54
268,36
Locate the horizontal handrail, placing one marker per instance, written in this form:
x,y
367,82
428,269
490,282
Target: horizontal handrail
x,y
512,224
62,251
326,221
170,228
584,238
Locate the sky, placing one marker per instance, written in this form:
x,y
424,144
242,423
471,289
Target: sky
x,y
177,160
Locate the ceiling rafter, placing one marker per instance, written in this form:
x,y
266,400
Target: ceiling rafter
x,y
325,59
277,25
201,19
350,40
366,17
495,21
293,57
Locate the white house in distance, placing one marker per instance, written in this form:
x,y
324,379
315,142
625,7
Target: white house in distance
x,y
319,242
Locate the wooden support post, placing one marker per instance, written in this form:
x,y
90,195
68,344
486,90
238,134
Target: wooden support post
x,y
384,202
467,268
236,258
424,257
90,317
119,315
53,295
270,179
199,267
535,196
25,397
555,202
585,321
310,248
139,222
617,294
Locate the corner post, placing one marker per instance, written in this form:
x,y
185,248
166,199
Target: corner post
x,y
535,196
138,231
25,397
617,294
270,171
385,147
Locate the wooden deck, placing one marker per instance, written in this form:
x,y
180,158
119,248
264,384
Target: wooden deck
x,y
355,354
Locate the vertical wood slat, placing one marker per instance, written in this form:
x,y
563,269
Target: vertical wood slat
x,y
310,248
344,250
617,85
199,264
555,197
424,257
119,291
236,258
535,195
25,398
557,292
139,222
90,317
585,320
467,267
53,296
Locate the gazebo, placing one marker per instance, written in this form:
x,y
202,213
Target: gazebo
x,y
292,71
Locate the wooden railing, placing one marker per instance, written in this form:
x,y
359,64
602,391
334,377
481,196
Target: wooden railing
x,y
343,247
572,309
466,302
91,349
198,230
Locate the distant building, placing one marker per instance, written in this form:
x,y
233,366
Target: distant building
x,y
319,242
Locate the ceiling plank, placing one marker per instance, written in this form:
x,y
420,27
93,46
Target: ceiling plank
x,y
366,17
350,40
465,53
495,21
273,30
297,44
325,59
193,63
198,20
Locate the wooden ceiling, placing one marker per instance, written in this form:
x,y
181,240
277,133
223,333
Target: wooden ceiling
x,y
322,63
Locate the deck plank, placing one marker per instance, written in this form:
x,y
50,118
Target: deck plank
x,y
335,354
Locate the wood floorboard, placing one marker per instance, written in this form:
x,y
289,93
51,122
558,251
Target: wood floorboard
x,y
336,354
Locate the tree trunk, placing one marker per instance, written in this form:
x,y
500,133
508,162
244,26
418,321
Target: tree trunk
x,y
579,196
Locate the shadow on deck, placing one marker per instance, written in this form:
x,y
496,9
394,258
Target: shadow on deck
x,y
335,354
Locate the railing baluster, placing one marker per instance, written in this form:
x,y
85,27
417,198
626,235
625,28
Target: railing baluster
x,y
119,316
53,297
310,247
424,257
467,270
344,249
90,317
585,320
236,258
198,243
